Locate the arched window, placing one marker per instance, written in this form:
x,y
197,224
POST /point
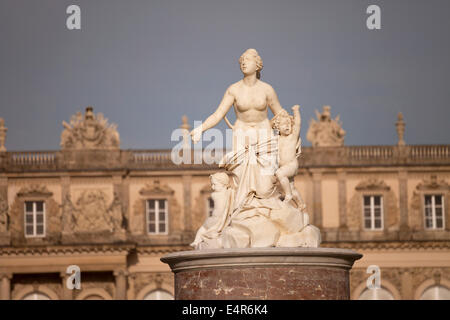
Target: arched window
x,y
158,295
436,293
94,297
36,296
376,294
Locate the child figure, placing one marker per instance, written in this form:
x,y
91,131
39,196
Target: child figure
x,y
208,234
289,148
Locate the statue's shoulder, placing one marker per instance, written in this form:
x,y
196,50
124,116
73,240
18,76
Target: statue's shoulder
x,y
235,86
267,87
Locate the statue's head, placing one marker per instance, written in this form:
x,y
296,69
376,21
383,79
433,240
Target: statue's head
x,y
219,181
283,122
326,113
251,62
89,114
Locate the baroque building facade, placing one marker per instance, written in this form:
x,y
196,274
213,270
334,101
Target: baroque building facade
x,y
113,213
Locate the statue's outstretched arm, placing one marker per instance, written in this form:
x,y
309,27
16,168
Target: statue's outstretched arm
x,y
272,101
214,119
297,120
222,109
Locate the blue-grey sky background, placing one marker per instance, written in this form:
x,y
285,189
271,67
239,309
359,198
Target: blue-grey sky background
x,y
144,64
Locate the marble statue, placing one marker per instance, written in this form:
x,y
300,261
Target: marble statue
x,y
89,132
209,232
250,210
325,132
289,150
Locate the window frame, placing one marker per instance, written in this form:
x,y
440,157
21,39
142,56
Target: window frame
x,y
433,210
157,221
34,223
372,212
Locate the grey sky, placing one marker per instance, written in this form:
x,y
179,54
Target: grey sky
x,y
146,63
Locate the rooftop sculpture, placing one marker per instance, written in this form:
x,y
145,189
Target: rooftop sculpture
x,y
89,132
325,132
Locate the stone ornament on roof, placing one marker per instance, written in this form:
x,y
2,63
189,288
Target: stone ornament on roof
x,y
3,131
325,131
91,131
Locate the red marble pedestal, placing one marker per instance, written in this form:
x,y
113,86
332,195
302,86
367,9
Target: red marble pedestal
x,y
262,273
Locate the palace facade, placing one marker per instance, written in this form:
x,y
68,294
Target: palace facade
x,y
113,213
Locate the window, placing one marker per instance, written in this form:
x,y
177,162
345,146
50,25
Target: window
x,y
376,294
157,216
158,295
36,296
373,212
209,207
436,293
34,219
434,212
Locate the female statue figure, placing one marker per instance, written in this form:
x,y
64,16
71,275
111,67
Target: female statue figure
x,y
257,217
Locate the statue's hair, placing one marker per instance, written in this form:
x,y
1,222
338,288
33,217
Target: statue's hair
x,y
221,177
282,115
255,55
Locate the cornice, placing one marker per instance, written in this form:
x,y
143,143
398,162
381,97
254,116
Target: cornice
x,y
63,250
390,245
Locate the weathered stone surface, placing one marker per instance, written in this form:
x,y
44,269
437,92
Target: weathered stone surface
x,y
264,273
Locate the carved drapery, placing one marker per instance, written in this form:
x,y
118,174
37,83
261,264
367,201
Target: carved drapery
x,y
372,187
431,186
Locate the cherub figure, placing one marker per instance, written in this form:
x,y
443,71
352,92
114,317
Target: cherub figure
x,y
222,197
289,148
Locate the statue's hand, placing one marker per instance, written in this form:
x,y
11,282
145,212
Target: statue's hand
x,y
296,107
196,134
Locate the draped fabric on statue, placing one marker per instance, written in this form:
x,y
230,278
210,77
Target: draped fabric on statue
x,y
252,165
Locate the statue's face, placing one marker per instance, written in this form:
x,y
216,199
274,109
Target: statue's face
x,y
248,65
285,127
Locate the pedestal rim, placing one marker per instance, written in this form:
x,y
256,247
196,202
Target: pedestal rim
x,y
260,257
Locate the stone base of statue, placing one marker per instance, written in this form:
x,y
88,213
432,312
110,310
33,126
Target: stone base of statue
x,y
262,273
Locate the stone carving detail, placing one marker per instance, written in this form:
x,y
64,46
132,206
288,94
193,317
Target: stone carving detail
x,y
156,189
325,132
89,132
433,184
68,215
372,184
159,281
355,206
422,274
400,126
4,216
91,213
3,131
34,190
